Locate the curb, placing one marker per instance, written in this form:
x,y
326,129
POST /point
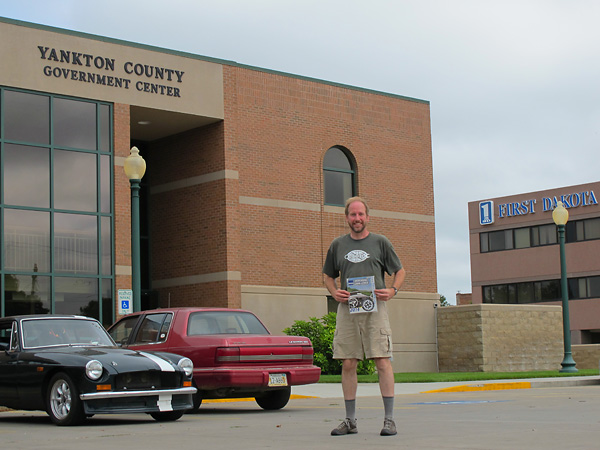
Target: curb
x,y
516,385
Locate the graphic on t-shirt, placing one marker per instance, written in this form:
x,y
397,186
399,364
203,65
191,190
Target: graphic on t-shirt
x,y
362,294
357,256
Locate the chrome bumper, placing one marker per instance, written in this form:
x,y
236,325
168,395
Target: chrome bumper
x,y
125,394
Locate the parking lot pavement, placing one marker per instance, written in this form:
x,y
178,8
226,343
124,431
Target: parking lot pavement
x,y
543,418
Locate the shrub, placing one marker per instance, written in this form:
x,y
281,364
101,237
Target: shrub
x,y
320,332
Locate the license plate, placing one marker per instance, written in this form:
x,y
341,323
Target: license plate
x,y
278,379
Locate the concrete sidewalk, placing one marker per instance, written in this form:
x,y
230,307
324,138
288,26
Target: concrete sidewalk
x,y
334,390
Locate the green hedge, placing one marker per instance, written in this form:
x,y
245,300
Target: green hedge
x,y
320,332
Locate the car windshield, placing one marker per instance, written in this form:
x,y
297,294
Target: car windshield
x,y
44,332
224,322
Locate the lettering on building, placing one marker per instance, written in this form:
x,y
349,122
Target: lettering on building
x,y
105,71
511,209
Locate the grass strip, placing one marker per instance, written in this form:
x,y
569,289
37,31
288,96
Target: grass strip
x,y
432,377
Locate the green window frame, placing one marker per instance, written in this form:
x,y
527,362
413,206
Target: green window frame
x,y
56,205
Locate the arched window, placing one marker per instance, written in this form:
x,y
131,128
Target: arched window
x,y
338,175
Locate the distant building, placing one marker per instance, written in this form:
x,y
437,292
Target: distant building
x,y
515,253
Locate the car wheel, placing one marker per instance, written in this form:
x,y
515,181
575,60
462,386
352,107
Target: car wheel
x,y
63,404
167,416
276,399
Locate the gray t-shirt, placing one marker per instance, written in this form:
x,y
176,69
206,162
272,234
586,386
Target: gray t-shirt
x,y
371,256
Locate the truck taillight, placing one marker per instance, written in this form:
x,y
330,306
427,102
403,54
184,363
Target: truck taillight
x,y
228,354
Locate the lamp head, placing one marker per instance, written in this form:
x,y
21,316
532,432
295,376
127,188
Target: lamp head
x,y
135,166
560,215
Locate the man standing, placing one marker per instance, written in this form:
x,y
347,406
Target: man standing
x,y
363,254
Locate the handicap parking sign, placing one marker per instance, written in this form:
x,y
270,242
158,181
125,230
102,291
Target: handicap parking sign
x,y
125,301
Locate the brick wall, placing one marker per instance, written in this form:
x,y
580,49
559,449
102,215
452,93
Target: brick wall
x,y
499,338
210,238
277,130
122,198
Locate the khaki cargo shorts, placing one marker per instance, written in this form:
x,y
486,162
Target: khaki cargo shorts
x,y
362,335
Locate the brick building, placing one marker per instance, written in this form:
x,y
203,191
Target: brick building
x,y
515,256
247,172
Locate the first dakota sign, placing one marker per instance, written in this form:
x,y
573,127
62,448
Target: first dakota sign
x,y
572,200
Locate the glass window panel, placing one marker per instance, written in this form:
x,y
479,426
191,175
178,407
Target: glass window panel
x,y
483,242
512,293
487,294
150,329
497,240
76,296
106,240
548,234
573,286
26,176
26,117
75,180
583,290
508,239
105,184
26,240
592,228
571,232
336,159
75,243
338,187
500,293
535,236
550,290
26,294
525,293
522,238
107,303
594,287
74,123
580,233
104,128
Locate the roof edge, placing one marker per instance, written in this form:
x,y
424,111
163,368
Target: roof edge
x,y
198,57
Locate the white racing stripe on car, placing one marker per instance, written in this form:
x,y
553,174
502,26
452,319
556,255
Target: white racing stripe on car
x,y
164,365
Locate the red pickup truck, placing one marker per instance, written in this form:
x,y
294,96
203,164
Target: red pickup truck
x,y
234,354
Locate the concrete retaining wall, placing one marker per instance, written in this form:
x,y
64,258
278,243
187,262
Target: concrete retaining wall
x,y
586,356
499,338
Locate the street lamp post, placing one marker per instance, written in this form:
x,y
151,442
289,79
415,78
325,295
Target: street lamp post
x,y
135,167
560,215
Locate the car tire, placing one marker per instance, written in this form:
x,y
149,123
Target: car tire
x,y
197,399
63,404
275,399
167,416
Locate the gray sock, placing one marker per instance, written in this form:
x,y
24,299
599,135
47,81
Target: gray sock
x,y
388,406
350,409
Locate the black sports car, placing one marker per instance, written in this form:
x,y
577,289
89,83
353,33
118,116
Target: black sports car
x,y
70,367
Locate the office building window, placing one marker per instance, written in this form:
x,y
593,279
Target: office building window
x,y
56,214
338,176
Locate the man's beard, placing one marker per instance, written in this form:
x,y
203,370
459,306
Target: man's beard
x,y
358,227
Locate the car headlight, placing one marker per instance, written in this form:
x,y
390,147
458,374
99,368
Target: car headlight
x,y
186,365
93,369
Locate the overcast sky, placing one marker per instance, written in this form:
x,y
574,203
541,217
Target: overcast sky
x,y
513,86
